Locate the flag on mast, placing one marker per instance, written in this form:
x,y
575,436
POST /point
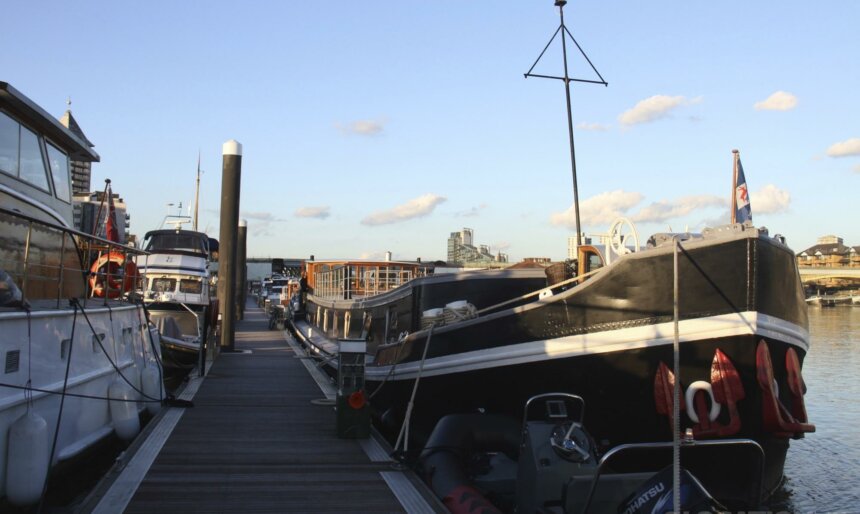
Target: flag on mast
x,y
741,210
111,229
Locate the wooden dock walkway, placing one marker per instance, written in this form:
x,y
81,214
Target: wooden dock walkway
x,y
255,442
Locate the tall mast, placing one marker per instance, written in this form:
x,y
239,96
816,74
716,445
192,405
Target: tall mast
x,y
567,80
735,158
197,193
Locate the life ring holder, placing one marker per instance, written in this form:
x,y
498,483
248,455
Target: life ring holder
x,y
701,385
112,275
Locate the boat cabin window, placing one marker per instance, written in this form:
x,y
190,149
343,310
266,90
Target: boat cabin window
x,y
175,241
190,285
20,154
164,285
589,259
32,167
8,145
59,162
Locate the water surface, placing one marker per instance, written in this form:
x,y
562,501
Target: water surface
x,y
823,470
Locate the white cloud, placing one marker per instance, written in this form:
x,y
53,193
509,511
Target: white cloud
x,y
261,222
845,148
669,209
779,101
654,108
260,216
415,208
595,127
362,127
769,199
322,212
471,213
603,209
372,256
599,210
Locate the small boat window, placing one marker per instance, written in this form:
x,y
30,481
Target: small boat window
x,y
60,171
589,259
8,145
192,286
32,167
164,285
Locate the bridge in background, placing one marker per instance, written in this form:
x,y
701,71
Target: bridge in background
x,y
813,274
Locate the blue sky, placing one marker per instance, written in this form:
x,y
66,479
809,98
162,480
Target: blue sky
x,y
384,126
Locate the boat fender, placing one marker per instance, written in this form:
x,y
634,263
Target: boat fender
x,y
151,385
465,499
27,459
456,435
123,412
701,385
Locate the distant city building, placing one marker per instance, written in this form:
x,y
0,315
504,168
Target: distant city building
x,y
532,263
538,260
571,245
86,207
830,252
81,171
462,250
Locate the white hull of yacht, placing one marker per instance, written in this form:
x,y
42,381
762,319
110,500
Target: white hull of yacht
x,y
41,346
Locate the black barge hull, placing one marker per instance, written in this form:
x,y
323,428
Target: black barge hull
x,y
605,340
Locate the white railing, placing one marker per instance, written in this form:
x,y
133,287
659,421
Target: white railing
x,y
355,282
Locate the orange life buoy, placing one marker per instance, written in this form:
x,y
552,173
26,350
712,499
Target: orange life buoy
x,y
112,275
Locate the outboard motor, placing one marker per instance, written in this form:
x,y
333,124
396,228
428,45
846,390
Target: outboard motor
x,y
655,496
554,448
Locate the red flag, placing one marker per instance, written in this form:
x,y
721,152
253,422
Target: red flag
x,y
111,230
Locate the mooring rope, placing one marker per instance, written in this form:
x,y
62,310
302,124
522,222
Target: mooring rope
x,y
62,404
404,429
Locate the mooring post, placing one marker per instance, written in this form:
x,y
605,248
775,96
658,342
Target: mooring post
x,y
231,176
242,269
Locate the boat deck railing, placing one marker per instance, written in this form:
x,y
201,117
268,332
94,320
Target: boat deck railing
x,y
357,282
50,261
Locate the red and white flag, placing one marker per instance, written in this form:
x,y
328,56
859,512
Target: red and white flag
x,y
111,229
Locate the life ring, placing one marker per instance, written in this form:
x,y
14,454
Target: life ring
x,y
701,385
119,273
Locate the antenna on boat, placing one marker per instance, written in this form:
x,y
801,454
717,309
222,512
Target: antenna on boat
x,y
567,80
177,220
197,193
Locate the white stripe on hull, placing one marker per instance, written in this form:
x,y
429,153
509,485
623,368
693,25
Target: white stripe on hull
x,y
700,329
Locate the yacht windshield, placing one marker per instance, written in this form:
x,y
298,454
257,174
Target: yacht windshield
x,y
177,242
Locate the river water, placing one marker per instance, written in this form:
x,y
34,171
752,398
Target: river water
x,y
823,469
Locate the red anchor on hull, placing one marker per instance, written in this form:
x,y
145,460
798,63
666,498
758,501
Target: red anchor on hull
x,y
776,417
664,382
725,388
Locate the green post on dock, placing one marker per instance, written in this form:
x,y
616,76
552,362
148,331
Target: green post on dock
x,y
242,269
231,176
351,408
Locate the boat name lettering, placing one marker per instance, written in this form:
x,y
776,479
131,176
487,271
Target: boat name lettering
x,y
644,497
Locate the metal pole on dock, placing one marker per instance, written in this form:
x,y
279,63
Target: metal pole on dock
x,y
231,176
242,269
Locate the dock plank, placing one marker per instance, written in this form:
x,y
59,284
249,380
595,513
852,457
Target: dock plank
x,y
254,442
